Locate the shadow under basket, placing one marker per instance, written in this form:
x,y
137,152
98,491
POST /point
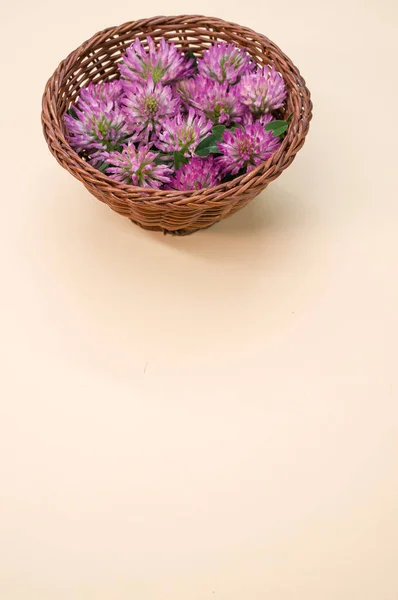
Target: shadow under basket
x,y
177,212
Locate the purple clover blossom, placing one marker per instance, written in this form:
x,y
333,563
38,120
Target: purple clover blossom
x,y
98,128
183,134
108,92
245,149
225,62
137,167
217,101
199,173
263,90
165,63
146,106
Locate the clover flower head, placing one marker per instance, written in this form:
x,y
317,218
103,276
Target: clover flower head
x,y
107,92
96,129
199,173
263,90
225,62
217,101
137,166
146,106
245,148
164,63
183,133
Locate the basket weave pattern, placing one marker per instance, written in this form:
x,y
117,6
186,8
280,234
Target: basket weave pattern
x,y
178,212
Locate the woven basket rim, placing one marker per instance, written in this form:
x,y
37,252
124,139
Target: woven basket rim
x,y
155,194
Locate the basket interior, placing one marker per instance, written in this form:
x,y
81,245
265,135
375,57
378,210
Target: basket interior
x,y
100,56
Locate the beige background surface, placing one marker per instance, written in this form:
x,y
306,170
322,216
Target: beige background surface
x,y
213,417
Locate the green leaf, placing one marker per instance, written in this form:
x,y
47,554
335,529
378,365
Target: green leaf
x,y
179,160
72,113
103,167
218,131
190,54
207,151
289,118
277,127
207,146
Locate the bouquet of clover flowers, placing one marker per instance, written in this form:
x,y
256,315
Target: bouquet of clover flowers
x,y
176,122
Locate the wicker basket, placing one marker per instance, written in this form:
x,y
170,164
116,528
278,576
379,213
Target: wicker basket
x,y
178,212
